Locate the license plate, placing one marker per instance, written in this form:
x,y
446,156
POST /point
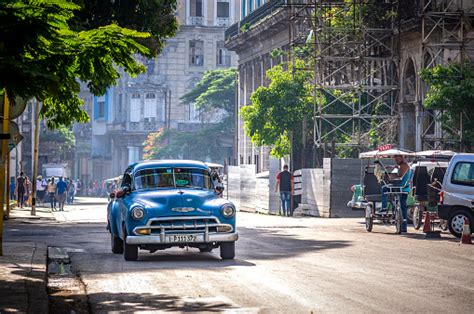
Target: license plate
x,y
183,238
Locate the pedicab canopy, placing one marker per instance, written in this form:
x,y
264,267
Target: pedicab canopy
x,y
438,154
388,153
214,165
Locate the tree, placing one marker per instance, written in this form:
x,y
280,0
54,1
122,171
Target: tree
x,y
213,95
451,90
153,16
277,111
42,57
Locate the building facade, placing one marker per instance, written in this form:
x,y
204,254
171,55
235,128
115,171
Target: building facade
x,y
429,33
123,117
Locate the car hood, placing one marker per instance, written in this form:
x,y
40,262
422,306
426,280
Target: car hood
x,y
181,201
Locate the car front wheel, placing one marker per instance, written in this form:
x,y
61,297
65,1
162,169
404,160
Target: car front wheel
x,y
116,244
130,252
456,222
227,250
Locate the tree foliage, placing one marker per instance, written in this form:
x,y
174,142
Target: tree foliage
x,y
42,57
213,94
277,111
153,16
451,89
216,89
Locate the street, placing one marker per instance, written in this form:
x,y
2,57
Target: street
x,y
282,265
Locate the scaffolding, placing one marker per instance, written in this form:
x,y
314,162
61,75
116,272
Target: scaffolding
x,y
445,25
355,62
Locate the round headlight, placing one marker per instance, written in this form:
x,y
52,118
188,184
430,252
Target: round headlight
x,y
138,213
228,211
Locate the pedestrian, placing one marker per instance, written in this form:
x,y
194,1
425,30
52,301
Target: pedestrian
x,y
71,192
61,192
40,190
12,188
285,184
52,192
77,187
29,192
20,189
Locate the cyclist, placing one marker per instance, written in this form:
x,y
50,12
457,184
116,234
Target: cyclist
x,y
404,175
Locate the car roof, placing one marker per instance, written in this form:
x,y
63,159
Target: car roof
x,y
174,163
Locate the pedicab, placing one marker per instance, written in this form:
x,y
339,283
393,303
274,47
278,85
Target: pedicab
x,y
378,176
428,172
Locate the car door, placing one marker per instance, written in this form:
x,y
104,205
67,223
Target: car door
x,y
122,202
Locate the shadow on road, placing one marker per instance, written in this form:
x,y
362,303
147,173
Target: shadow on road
x,y
140,302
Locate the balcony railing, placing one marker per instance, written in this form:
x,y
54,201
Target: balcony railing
x,y
223,21
195,20
254,17
148,125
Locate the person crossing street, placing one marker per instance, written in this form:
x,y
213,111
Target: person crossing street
x,y
285,184
61,192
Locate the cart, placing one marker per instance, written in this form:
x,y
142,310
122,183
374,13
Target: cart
x,y
428,173
377,177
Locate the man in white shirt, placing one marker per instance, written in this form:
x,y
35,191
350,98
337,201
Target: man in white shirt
x,y
41,185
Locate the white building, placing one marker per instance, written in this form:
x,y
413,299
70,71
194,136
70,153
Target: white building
x,y
122,118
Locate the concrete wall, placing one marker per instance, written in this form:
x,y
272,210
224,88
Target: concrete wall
x,y
326,191
344,174
253,192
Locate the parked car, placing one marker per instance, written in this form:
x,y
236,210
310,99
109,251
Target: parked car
x,y
169,203
457,194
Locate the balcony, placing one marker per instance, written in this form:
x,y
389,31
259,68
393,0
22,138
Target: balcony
x,y
146,126
222,21
195,20
116,127
253,18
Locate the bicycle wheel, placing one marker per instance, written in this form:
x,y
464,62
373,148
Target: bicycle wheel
x,y
369,219
417,216
398,219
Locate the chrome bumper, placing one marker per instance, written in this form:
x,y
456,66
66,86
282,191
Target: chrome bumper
x,y
168,238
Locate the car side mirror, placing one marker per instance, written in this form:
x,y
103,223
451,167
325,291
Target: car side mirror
x,y
219,189
112,195
126,189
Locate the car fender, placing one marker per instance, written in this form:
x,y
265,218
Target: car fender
x,y
114,218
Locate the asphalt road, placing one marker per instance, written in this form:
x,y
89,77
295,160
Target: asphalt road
x,y
283,265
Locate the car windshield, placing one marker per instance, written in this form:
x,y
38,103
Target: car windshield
x,y
166,178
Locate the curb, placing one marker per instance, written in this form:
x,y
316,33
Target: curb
x,y
36,286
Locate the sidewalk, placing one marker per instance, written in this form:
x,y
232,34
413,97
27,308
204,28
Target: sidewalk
x,y
23,269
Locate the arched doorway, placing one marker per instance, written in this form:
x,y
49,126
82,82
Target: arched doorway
x,y
408,106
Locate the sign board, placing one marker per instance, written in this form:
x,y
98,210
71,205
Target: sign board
x,y
15,136
384,147
17,106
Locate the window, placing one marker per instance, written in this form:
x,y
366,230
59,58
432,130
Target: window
x,y
150,65
100,107
150,106
166,178
135,108
222,9
194,115
196,8
222,58
196,48
463,174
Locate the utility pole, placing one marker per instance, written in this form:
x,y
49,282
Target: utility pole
x,y
3,156
36,118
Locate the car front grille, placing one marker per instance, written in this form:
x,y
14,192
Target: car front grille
x,y
179,225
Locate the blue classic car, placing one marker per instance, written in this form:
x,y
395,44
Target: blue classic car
x,y
169,203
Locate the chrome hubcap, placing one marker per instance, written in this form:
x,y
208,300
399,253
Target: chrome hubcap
x,y
457,223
